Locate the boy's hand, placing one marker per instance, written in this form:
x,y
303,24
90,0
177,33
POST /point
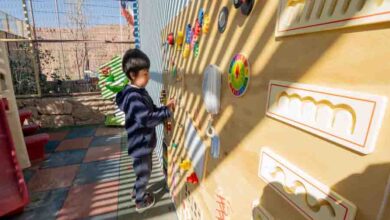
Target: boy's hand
x,y
171,104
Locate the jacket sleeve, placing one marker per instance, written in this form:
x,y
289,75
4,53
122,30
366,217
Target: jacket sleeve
x,y
144,116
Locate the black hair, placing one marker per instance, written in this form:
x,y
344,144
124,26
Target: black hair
x,y
133,61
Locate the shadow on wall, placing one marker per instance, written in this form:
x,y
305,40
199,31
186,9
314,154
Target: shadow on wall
x,y
273,202
155,85
289,59
155,77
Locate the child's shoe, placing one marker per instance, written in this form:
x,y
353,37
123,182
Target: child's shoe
x,y
146,204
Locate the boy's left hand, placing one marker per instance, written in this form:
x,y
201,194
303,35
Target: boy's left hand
x,y
171,104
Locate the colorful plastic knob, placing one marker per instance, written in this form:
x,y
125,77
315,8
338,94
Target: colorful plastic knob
x,y
185,165
180,39
193,178
188,33
206,24
201,16
194,38
174,72
294,2
171,39
186,52
198,28
196,49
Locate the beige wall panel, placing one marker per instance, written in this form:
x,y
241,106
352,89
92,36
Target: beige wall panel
x,y
354,59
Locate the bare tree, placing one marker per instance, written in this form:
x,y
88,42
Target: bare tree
x,y
78,26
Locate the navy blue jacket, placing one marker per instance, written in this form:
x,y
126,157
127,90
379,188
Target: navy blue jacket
x,y
142,116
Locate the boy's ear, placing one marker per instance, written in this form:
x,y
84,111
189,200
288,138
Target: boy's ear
x,y
132,76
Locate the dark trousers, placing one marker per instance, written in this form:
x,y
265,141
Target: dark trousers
x,y
143,169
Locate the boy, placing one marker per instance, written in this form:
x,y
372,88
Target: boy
x,y
141,118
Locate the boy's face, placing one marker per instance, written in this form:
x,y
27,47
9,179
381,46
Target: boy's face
x,y
142,79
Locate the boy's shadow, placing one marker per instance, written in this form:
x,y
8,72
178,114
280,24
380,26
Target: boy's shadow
x,y
159,189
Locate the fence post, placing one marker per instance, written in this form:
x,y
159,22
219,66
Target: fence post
x,y
7,23
33,50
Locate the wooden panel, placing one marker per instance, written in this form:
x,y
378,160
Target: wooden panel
x,y
349,118
351,59
310,197
304,16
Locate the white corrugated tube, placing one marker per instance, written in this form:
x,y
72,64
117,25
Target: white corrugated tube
x,y
212,89
211,97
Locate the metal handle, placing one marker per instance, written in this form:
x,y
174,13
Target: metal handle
x,y
210,132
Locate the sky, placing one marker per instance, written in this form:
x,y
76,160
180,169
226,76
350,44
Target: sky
x,y
98,12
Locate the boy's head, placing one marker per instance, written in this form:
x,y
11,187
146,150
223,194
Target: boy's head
x,y
135,65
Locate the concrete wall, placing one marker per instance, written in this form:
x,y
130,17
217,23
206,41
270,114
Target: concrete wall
x,y
77,109
98,53
354,59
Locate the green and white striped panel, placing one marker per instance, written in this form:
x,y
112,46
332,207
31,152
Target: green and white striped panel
x,y
115,66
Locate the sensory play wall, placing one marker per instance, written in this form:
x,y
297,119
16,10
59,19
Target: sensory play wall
x,y
152,17
301,123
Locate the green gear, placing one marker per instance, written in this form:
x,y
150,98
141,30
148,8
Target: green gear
x,y
196,49
174,72
117,88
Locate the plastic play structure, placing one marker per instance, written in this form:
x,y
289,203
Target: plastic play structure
x,y
111,81
13,193
35,143
281,109
13,153
268,122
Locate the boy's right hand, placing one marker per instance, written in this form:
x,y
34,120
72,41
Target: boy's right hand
x,y
171,104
